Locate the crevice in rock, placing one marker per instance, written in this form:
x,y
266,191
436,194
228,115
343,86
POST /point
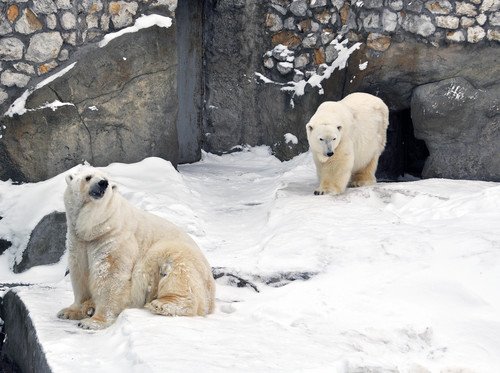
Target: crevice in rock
x,y
404,154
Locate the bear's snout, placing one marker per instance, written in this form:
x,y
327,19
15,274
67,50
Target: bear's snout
x,y
329,154
98,189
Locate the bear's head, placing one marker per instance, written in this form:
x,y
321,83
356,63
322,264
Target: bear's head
x,y
326,129
87,185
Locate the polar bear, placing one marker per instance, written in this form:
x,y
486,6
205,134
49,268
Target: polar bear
x,y
121,257
346,139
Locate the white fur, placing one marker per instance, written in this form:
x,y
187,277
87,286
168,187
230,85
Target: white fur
x,y
346,139
120,256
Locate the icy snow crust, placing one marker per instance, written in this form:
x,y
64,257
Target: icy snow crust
x,y
405,276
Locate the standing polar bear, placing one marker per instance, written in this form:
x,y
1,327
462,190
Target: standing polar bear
x,y
120,257
346,139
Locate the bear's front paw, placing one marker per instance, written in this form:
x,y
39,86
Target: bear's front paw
x,y
71,314
94,324
319,192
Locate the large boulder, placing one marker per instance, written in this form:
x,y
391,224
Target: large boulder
x,y
461,127
47,243
123,108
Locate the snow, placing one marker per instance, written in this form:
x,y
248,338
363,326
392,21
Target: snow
x,y
291,138
18,106
316,80
402,276
144,21
363,66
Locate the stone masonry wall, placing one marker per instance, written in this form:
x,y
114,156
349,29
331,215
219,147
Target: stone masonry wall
x,y
36,36
302,31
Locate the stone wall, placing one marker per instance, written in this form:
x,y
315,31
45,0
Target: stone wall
x,y
37,36
302,31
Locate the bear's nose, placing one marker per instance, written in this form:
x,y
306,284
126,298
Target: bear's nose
x,y
329,154
103,184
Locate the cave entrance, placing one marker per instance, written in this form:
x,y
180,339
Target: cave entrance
x,y
404,155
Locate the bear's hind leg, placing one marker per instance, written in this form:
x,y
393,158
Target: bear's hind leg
x,y
177,288
365,176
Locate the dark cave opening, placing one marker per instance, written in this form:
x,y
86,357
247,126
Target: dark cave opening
x,y
403,154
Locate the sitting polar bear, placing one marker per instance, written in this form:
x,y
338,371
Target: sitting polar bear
x,y
120,257
346,139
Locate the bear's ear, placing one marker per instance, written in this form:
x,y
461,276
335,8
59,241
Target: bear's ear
x,y
114,187
339,127
69,178
309,127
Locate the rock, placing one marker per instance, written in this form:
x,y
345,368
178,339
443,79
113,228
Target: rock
x,y
495,19
92,6
439,6
396,72
331,54
133,96
301,61
122,12
290,39
280,9
44,46
12,13
47,243
3,96
24,68
378,42
269,63
458,123
396,4
467,22
63,55
373,4
5,27
51,21
481,19
68,21
310,41
323,17
4,245
418,24
448,22
284,67
415,6
28,23
389,20
273,22
92,21
456,36
44,7
46,67
319,56
11,49
12,79
371,21
289,23
64,4
299,8
105,18
282,53
317,3
69,37
466,9
493,35
475,34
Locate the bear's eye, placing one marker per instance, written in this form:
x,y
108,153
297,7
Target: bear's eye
x,y
339,128
321,139
88,178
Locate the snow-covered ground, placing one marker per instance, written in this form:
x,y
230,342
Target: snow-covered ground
x,y
403,276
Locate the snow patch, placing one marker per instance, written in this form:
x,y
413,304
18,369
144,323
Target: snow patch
x,y
363,66
144,21
316,80
290,138
19,105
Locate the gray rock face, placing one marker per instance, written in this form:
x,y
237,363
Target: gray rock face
x,y
460,125
46,244
136,102
44,46
244,110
